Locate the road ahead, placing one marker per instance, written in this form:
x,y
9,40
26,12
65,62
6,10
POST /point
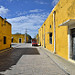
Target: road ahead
x,y
27,60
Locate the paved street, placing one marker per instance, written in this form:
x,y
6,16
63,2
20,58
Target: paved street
x,y
28,60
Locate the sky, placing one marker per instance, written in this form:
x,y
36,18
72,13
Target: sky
x,y
26,14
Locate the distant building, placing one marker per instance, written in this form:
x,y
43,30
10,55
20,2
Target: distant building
x,y
19,38
57,33
5,34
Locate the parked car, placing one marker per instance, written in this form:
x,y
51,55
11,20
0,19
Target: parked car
x,y
34,42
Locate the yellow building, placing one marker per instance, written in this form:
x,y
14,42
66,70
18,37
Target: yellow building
x,y
19,38
57,33
37,38
5,34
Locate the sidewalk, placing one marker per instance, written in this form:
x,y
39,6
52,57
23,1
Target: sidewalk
x,y
14,45
39,64
67,66
20,45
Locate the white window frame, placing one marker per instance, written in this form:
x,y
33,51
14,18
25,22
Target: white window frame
x,y
70,42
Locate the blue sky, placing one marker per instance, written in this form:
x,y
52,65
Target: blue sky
x,y
26,14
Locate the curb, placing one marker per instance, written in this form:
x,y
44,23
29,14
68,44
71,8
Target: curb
x,y
53,60
5,50
8,49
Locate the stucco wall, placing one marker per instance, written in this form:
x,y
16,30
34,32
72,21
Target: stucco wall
x,y
5,30
65,10
17,36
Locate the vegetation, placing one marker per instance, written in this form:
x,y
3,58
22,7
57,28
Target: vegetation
x,y
18,33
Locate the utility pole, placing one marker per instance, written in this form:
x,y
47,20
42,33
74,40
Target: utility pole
x,y
25,35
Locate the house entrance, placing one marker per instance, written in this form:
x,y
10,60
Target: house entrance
x,y
19,40
73,43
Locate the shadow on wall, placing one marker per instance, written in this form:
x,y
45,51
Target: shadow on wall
x,y
10,58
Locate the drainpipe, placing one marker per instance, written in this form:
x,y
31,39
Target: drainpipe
x,y
44,35
38,36
54,31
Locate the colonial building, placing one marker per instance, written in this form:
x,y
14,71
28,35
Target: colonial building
x,y
57,33
5,34
19,38
37,38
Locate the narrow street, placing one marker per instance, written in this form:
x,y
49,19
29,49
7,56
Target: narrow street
x,y
27,60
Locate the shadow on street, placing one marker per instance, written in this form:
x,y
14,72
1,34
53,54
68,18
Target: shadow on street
x,y
10,58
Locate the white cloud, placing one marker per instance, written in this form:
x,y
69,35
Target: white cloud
x,y
30,11
36,10
3,11
21,13
32,22
40,2
55,2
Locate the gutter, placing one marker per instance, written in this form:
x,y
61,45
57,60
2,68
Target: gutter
x,y
54,31
44,35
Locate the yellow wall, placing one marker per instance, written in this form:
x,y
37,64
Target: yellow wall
x,y
65,10
17,36
5,30
37,38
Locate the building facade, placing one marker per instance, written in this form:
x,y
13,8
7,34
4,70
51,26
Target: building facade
x,y
19,38
57,33
5,34
37,38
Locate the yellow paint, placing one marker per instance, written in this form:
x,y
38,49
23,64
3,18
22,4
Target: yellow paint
x,y
5,30
17,36
65,10
37,38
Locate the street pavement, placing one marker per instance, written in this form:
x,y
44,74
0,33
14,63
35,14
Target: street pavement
x,y
27,60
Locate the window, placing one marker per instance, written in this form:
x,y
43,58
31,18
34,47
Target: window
x,y
50,38
12,40
50,26
4,39
20,40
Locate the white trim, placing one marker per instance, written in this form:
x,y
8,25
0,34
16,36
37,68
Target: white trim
x,y
70,42
44,35
54,32
68,22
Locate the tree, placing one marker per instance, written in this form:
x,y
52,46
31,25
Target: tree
x,y
29,38
18,33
